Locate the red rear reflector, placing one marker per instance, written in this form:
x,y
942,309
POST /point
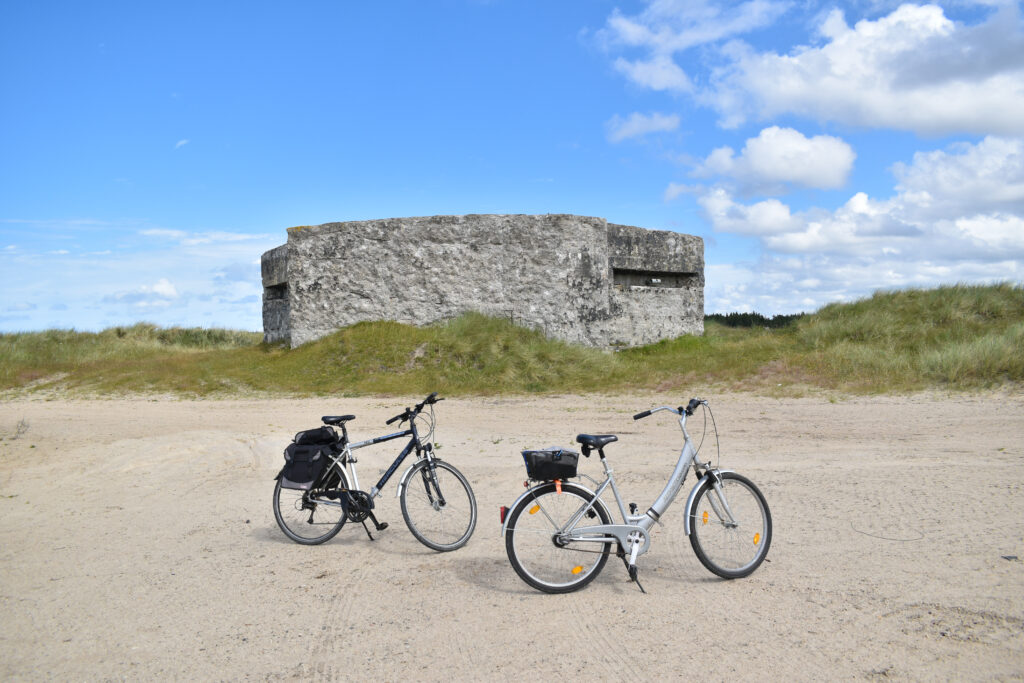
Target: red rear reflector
x,y
504,511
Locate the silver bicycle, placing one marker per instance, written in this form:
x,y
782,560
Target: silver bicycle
x,y
559,534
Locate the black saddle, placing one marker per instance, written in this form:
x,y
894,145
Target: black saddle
x,y
597,441
337,419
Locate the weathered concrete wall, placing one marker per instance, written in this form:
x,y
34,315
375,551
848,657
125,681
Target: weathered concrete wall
x,y
276,318
576,278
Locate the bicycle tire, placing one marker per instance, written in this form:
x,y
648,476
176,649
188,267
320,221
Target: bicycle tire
x,y
530,545
731,552
442,528
306,521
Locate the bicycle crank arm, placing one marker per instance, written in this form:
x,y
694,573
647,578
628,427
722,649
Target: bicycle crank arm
x,y
634,551
620,533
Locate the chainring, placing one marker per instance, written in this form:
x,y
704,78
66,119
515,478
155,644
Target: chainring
x,y
359,505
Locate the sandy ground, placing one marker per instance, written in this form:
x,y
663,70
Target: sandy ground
x,y
137,542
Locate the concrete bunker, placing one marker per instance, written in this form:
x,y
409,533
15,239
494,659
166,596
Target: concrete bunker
x,y
576,278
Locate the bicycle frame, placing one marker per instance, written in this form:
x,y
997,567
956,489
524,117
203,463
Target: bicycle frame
x,y
345,458
633,532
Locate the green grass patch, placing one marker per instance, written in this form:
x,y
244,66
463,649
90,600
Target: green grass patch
x,y
959,337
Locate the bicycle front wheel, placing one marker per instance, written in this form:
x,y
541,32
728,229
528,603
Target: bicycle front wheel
x,y
535,550
314,516
438,505
732,531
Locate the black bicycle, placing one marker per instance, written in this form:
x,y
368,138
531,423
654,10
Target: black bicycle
x,y
437,501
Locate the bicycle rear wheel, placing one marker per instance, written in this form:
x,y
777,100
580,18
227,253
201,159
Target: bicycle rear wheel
x,y
533,549
438,506
732,548
314,516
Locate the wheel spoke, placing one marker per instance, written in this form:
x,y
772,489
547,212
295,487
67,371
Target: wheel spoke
x,y
731,548
310,518
533,551
441,527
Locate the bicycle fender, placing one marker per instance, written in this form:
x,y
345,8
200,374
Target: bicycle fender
x,y
405,476
565,487
692,498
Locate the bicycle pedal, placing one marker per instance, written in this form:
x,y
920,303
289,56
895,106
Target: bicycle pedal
x,y
381,526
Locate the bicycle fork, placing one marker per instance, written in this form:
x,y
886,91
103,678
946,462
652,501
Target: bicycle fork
x,y
432,486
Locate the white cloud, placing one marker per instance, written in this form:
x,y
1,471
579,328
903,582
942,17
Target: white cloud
x,y
913,69
669,26
160,232
777,284
675,190
201,238
658,73
181,143
763,219
783,155
638,125
949,220
164,288
968,179
168,277
161,293
905,227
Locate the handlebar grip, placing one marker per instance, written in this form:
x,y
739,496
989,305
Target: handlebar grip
x,y
396,417
640,416
692,405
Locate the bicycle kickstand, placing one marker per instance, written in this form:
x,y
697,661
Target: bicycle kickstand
x,y
381,526
631,567
633,571
633,575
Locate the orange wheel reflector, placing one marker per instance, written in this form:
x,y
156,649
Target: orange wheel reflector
x,y
558,486
577,569
534,509
704,518
757,538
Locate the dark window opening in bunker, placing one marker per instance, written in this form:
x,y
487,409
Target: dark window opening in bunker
x,y
624,278
276,292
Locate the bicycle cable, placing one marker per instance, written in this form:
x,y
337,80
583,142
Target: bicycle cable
x,y
714,425
430,420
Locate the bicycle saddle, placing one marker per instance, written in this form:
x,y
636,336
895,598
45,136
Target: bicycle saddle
x,y
598,441
337,419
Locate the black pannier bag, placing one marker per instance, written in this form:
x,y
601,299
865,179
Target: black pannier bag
x,y
551,463
320,435
303,465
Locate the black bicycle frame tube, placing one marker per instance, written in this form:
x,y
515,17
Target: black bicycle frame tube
x,y
413,443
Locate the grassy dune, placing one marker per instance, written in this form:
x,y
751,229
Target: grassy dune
x,y
958,337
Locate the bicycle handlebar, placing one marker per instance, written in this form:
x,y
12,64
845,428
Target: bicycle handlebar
x,y
410,413
690,407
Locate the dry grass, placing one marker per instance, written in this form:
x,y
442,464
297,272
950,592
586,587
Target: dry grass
x,y
959,337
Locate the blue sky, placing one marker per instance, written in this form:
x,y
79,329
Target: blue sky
x,y
150,152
